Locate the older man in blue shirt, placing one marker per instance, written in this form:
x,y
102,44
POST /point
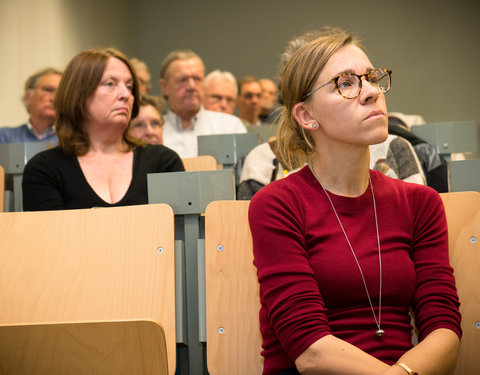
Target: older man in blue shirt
x,y
38,99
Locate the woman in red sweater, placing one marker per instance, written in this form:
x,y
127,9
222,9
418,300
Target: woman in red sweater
x,y
343,253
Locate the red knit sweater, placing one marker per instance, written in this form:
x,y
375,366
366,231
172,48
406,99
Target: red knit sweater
x,y
310,285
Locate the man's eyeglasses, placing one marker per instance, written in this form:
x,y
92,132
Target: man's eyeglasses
x,y
251,95
349,85
219,98
145,83
50,90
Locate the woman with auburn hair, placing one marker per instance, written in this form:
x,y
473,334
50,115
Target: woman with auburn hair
x,y
343,253
97,163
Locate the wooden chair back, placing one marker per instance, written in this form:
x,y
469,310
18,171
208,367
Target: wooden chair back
x,y
463,217
232,302
200,163
92,265
232,291
114,347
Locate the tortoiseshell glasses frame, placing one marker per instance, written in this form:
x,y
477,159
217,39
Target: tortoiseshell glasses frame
x,y
349,85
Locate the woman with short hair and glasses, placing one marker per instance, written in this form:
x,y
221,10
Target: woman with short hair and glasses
x,y
343,253
148,125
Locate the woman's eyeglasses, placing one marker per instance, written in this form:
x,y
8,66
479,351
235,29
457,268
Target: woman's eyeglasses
x,y
349,85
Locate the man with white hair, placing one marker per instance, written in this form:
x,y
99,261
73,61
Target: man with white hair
x,y
220,92
182,76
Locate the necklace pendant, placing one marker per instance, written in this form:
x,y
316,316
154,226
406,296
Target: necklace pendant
x,y
379,332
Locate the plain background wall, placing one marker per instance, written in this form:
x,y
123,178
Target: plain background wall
x,y
433,47
39,33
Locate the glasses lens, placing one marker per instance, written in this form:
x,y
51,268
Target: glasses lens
x,y
348,85
382,79
251,95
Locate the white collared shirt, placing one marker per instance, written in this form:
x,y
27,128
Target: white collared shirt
x,y
48,131
184,142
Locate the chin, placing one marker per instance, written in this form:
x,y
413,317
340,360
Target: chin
x,y
194,107
380,137
49,114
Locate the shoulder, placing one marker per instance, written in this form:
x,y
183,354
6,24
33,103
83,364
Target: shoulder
x,y
170,116
283,202
400,144
414,195
289,191
259,164
11,129
52,162
159,155
9,134
222,121
156,151
170,121
51,156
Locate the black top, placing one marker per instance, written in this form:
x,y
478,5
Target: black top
x,y
54,181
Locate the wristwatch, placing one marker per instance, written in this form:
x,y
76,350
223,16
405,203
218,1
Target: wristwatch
x,y
406,368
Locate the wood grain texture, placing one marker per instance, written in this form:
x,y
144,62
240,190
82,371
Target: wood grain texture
x,y
232,287
89,265
232,291
463,217
122,347
200,163
2,189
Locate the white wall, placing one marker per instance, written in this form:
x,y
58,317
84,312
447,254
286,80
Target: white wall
x,y
39,33
432,46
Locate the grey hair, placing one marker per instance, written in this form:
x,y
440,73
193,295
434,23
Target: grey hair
x,y
218,74
179,54
138,64
32,81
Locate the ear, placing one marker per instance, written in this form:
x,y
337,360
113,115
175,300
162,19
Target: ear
x,y
163,85
303,114
27,96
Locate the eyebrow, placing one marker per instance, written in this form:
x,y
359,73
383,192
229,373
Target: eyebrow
x,y
115,78
350,71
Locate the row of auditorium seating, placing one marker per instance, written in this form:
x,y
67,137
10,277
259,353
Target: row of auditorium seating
x,y
227,149
197,190
93,291
456,138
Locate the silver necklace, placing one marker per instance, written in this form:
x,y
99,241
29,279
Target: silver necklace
x,y
379,332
